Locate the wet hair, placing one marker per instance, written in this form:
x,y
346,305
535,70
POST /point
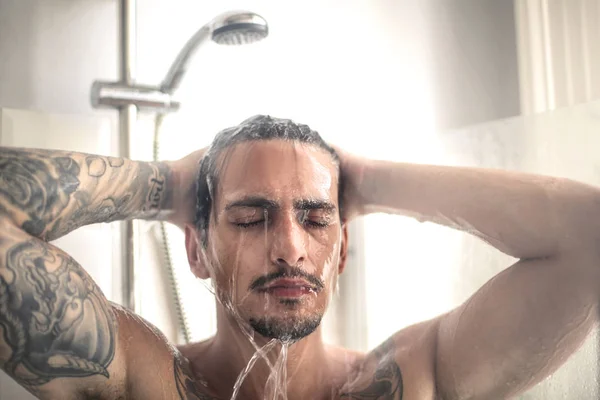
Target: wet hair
x,y
259,127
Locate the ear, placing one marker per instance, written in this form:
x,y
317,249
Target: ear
x,y
193,246
343,248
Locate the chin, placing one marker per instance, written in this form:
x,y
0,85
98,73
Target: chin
x,y
288,328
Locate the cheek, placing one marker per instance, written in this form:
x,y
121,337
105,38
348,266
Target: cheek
x,y
324,252
236,258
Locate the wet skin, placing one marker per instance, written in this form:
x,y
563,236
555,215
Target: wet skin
x,y
61,338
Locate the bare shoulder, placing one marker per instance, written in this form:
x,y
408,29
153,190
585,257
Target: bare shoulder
x,y
155,368
402,367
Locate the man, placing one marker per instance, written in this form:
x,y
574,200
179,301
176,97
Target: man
x,y
271,209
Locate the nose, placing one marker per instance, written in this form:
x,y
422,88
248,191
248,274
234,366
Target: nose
x,y
288,246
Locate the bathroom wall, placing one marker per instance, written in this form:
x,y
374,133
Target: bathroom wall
x,y
474,58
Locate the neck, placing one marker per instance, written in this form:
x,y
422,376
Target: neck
x,y
232,350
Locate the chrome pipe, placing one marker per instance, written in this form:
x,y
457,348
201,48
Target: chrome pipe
x,y
127,120
127,45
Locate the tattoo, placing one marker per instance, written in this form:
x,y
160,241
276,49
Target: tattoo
x,y
59,192
387,380
157,186
115,162
87,213
96,166
188,388
54,319
38,185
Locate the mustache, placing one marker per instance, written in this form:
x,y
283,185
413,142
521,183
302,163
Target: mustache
x,y
293,272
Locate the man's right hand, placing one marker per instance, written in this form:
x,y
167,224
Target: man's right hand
x,y
185,173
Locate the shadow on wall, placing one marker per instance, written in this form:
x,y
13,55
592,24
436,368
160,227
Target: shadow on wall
x,y
474,61
17,39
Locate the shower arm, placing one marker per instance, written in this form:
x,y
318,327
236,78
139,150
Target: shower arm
x,y
151,98
182,61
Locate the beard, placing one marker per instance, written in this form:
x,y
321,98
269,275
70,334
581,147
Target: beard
x,y
286,329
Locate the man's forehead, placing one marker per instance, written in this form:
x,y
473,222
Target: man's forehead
x,y
260,150
275,168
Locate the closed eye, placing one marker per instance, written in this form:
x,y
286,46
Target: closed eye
x,y
249,224
317,224
315,218
310,223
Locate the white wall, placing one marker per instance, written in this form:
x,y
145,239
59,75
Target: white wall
x,y
474,57
52,50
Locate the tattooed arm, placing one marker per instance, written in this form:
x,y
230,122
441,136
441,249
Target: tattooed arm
x,y
55,323
50,193
59,336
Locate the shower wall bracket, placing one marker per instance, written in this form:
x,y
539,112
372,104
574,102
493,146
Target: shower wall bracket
x,y
119,94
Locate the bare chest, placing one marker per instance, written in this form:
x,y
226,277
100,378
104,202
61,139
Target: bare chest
x,y
383,382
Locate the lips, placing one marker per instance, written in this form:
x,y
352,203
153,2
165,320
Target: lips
x,y
289,288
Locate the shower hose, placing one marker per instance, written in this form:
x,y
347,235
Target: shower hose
x,y
164,239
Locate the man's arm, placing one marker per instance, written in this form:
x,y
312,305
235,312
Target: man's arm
x,y
523,215
58,333
50,193
525,322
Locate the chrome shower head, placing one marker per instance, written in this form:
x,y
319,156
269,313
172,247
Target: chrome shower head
x,y
240,28
230,28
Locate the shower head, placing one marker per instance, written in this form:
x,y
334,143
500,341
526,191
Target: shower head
x,y
239,28
229,28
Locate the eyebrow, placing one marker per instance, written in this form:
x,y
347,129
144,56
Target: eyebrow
x,y
313,204
254,202
261,202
